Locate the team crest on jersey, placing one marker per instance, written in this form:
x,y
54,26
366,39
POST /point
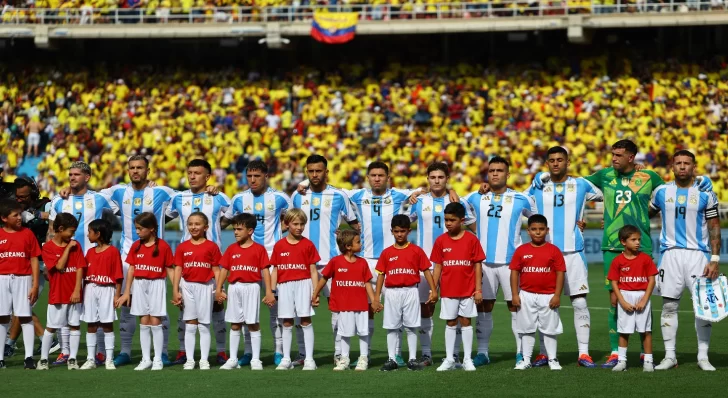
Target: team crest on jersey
x,y
570,188
681,199
127,202
89,204
269,206
388,201
208,201
247,208
547,189
638,182
137,201
693,199
497,198
316,201
147,200
78,205
197,201
625,181
327,202
258,206
613,182
559,188
509,199
438,208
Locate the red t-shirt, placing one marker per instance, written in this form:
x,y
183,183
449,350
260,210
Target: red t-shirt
x,y
146,265
16,250
632,274
197,260
537,267
458,259
62,282
104,268
348,284
293,261
402,267
245,264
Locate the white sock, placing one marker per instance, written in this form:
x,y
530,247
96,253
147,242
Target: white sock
x,y
276,330
426,325
515,334
484,328
189,340
90,345
145,340
458,340
550,343
218,323
28,338
398,345
528,341
412,343
109,340
234,343
622,353
182,333
65,338
101,342
246,342
582,324
345,346
287,340
450,333
255,341
541,344
165,337
371,335
300,340
308,339
364,346
467,333
74,342
204,341
392,337
127,328
44,348
668,325
4,335
157,341
702,329
650,358
335,330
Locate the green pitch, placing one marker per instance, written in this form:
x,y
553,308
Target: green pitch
x,y
497,378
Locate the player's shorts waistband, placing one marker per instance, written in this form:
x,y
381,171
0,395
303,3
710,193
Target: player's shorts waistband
x,y
149,279
247,283
494,265
297,280
403,287
16,275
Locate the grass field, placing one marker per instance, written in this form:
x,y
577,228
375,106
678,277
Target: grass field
x,y
497,378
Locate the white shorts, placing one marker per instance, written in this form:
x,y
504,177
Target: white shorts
x,y
576,278
243,303
197,299
149,297
326,291
294,299
630,322
677,268
401,308
353,323
494,276
535,314
98,304
451,308
60,315
14,291
33,139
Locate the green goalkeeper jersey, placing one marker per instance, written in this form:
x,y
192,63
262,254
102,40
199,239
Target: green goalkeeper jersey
x,y
626,202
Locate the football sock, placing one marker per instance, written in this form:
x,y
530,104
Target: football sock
x,y
335,330
703,329
44,348
109,340
255,340
551,345
65,337
276,330
450,333
218,324
467,333
145,340
364,346
158,341
613,335
412,342
28,338
668,325
528,341
246,334
165,337
398,346
127,328
204,341
182,333
90,345
426,325
100,342
189,340
541,345
484,328
649,358
371,335
345,346
582,324
287,338
74,342
234,343
622,352
458,341
392,337
515,334
300,340
308,338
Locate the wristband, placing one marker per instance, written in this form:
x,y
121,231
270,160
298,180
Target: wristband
x,y
478,291
715,258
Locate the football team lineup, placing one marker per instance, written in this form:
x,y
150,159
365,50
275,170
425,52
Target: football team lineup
x,y
467,252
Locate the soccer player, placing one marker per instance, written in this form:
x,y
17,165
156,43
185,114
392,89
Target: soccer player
x,y
537,274
65,261
458,258
398,270
102,288
561,200
632,275
268,206
294,276
182,205
19,274
325,207
499,215
197,263
690,232
351,294
150,259
242,265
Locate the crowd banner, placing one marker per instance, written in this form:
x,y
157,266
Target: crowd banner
x,y
334,27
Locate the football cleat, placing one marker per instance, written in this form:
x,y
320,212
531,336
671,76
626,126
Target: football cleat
x,y
554,364
468,365
446,365
181,358
519,358
523,365
89,364
481,360
612,361
9,350
458,364
541,360
667,363
189,365
2,365
55,346
337,358
300,360
61,360
245,359
400,361
621,366
648,367
165,360
413,364
144,365
642,358
29,363
204,364
42,365
231,364
122,359
109,364
309,364
157,365
72,364
343,364
586,361
101,359
362,364
256,364
222,358
389,366
285,364
705,365
426,360
277,357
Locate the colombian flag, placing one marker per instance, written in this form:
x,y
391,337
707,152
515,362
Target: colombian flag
x,y
334,28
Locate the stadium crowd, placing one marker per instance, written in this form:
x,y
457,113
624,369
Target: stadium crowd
x,y
407,116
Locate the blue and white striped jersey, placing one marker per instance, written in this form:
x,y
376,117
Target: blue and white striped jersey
x,y
563,205
499,219
86,208
132,202
375,215
213,206
325,210
685,214
267,209
429,212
